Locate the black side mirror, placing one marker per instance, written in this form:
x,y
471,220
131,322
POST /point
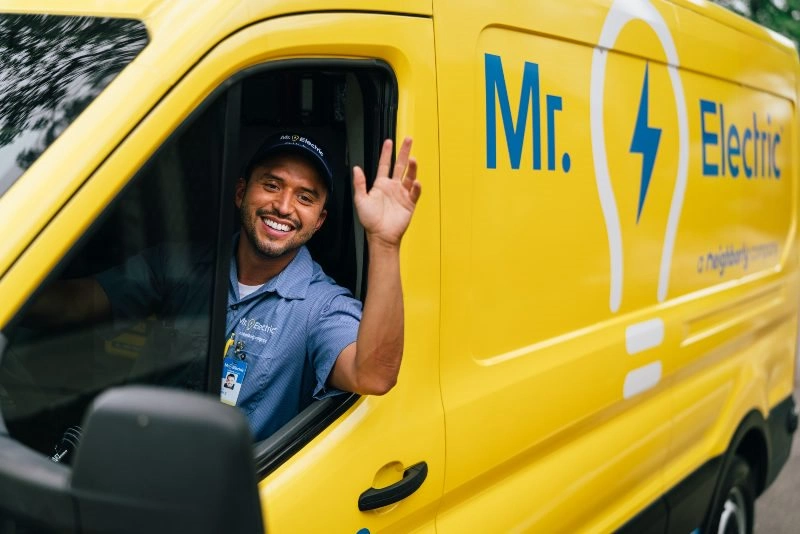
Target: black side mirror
x,y
150,460
153,459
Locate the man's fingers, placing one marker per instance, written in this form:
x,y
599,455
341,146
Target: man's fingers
x,y
386,158
359,181
411,174
402,159
415,192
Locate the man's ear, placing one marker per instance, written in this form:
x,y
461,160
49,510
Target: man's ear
x,y
322,215
241,185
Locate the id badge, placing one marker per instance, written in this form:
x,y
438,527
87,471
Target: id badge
x,y
233,371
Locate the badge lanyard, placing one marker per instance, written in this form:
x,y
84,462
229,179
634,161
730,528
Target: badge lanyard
x,y
233,370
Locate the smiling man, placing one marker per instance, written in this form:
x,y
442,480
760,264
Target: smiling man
x,y
296,333
293,334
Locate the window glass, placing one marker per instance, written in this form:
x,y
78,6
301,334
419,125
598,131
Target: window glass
x,y
138,287
51,68
131,304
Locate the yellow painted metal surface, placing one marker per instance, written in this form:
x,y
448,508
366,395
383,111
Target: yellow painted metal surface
x,y
604,334
180,34
345,460
584,331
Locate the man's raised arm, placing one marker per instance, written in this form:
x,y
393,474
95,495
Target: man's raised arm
x,y
370,365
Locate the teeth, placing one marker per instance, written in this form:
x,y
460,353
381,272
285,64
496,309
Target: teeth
x,y
277,226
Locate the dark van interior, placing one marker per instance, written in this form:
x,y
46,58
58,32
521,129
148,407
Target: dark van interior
x,y
48,376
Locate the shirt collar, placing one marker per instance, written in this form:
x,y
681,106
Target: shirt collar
x,y
291,283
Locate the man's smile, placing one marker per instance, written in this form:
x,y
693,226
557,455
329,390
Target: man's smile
x,y
276,225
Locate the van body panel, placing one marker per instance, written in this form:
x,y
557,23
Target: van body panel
x,y
408,422
173,49
180,34
109,8
654,311
141,8
601,278
754,56
517,341
350,445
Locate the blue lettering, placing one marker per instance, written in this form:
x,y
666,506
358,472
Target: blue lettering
x,y
757,138
530,97
752,144
775,142
734,150
748,170
495,80
708,138
553,105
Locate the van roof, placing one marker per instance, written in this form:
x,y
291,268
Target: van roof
x,y
259,9
143,9
203,22
739,23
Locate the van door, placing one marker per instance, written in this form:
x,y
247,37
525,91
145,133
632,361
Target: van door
x,y
380,441
554,421
347,463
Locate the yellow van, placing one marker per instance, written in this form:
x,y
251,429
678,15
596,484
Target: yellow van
x,y
601,280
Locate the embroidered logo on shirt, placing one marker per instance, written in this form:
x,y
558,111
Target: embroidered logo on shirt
x,y
252,324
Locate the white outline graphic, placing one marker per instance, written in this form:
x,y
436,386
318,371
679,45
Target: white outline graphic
x,y
641,379
645,335
621,13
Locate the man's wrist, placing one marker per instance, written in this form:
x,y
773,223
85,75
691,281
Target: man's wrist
x,y
382,245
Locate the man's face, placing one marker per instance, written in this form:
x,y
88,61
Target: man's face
x,y
229,381
281,205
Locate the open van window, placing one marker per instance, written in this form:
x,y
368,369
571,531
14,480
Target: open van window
x,y
174,221
51,68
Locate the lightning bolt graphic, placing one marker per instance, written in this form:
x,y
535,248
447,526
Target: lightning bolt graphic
x,y
645,142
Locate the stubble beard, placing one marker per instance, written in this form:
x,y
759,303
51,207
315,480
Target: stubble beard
x,y
265,248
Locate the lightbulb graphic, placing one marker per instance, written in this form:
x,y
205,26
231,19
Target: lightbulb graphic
x,y
639,337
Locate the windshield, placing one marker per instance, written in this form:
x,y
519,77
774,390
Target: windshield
x,y
51,68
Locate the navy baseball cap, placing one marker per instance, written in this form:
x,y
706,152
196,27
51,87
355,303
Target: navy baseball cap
x,y
293,143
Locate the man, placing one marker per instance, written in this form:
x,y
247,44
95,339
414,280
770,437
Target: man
x,y
293,334
286,319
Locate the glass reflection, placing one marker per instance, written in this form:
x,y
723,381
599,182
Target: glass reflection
x,y
51,68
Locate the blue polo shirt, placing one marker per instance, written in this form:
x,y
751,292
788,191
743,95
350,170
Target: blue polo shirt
x,y
293,328
290,331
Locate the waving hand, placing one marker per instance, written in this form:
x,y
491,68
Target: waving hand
x,y
385,211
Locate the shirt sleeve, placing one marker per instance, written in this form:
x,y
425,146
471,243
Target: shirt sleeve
x,y
331,331
135,287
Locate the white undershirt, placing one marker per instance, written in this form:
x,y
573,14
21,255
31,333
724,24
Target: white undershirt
x,y
245,290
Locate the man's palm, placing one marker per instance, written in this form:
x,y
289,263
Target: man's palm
x,y
385,211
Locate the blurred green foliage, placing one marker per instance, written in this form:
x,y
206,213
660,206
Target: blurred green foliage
x,y
783,16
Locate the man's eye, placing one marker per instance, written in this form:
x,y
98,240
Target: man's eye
x,y
271,186
305,199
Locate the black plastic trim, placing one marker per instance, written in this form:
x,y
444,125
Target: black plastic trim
x,y
782,423
651,520
224,197
754,421
685,506
689,501
273,451
33,489
413,477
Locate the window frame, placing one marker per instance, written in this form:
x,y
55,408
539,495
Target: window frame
x,y
270,453
379,86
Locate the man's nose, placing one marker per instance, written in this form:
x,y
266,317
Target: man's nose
x,y
283,202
